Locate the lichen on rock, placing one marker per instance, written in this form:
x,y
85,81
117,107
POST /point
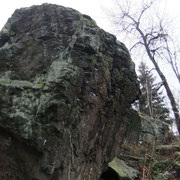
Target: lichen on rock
x,y
66,88
153,131
124,171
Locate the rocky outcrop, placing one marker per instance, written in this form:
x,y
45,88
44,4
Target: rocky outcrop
x,y
66,88
153,130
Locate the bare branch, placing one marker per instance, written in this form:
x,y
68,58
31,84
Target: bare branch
x,y
146,7
136,44
154,39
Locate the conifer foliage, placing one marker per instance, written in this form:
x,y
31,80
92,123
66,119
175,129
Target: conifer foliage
x,y
151,101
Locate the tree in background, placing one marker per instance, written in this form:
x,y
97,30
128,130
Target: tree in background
x,y
171,53
151,101
150,33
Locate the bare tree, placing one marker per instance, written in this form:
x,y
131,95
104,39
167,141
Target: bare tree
x,y
171,54
152,36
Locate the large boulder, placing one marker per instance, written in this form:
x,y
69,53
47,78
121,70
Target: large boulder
x,y
66,88
153,131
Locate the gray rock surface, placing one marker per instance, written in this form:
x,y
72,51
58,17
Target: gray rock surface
x,y
66,88
153,130
124,171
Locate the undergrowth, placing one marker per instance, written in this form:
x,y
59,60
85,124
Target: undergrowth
x,y
154,162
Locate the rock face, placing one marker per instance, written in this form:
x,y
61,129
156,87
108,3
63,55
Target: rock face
x,y
66,88
153,130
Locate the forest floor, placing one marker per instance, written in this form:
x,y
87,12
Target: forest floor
x,y
154,162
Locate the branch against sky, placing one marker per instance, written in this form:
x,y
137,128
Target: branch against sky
x,y
171,55
150,32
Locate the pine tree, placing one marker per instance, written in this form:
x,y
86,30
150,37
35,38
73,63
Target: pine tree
x,y
151,101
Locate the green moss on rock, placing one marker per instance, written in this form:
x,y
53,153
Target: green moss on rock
x,y
5,82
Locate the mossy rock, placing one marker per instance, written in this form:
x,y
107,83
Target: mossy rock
x,y
177,154
124,171
63,77
5,82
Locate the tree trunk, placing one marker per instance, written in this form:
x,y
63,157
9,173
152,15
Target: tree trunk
x,y
163,78
169,93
